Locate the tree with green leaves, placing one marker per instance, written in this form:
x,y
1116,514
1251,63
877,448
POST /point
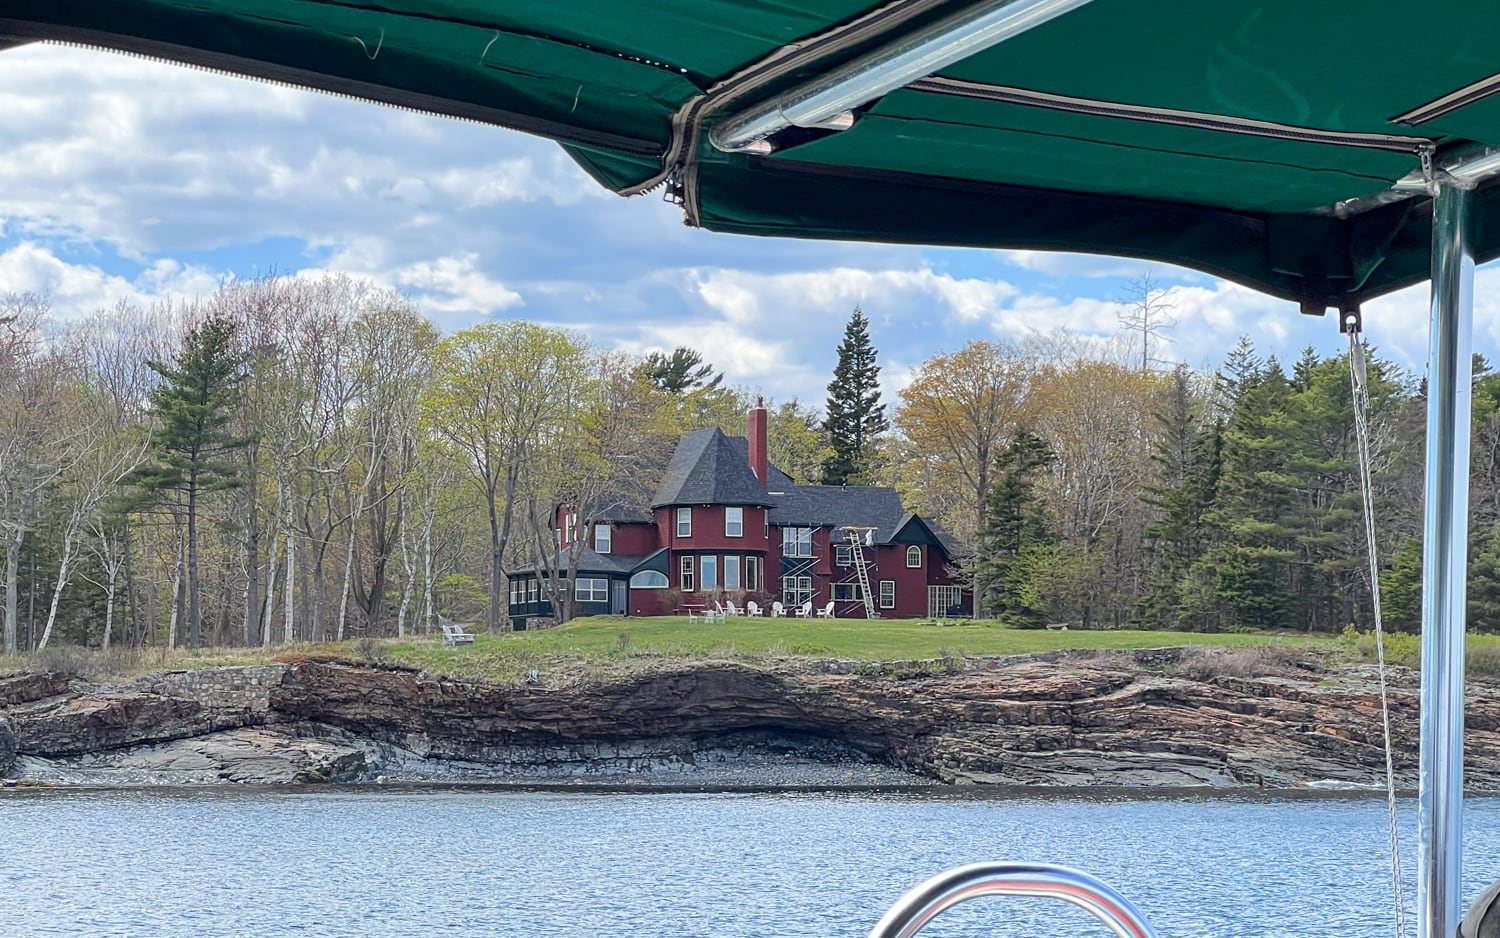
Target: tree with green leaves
x,y
855,417
681,372
1015,542
193,442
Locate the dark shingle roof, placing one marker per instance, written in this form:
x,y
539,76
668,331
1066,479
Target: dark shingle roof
x,y
864,506
708,469
776,480
590,562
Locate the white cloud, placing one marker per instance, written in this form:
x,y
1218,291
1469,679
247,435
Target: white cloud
x,y
454,285
75,290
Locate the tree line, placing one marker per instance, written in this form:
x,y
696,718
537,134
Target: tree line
x,y
309,459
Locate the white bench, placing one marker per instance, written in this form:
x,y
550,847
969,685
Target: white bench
x,y
455,635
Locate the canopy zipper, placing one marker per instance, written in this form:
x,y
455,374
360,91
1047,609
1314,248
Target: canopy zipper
x,y
1448,103
289,77
1393,143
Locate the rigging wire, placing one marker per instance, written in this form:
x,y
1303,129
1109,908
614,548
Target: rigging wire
x,y
1359,382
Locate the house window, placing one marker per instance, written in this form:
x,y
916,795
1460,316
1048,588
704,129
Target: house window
x,y
603,536
843,592
648,580
914,557
684,522
513,600
843,555
588,589
531,588
796,590
731,572
888,594
796,542
710,568
752,574
945,601
687,574
734,522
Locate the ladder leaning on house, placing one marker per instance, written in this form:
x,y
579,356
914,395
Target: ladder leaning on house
x,y
857,538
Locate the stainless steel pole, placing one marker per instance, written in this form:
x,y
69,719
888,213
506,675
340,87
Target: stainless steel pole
x,y
1445,565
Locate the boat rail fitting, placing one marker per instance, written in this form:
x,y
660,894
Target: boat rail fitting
x,y
821,102
921,905
1445,563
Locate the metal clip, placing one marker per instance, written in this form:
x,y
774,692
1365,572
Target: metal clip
x,y
1427,152
1351,321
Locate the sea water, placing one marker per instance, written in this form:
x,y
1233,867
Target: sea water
x,y
379,862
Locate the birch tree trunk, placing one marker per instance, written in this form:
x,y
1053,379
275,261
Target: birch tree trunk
x,y
70,542
109,605
291,568
408,567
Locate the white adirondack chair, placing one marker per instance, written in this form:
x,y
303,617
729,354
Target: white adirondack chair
x,y
751,608
778,611
731,608
827,611
803,611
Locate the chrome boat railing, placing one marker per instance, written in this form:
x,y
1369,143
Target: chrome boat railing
x,y
913,911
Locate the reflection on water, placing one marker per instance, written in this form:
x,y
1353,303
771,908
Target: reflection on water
x,y
379,862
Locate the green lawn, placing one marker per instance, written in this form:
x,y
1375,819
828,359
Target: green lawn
x,y
602,640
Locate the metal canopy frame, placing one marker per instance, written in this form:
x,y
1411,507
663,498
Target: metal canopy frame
x,y
828,102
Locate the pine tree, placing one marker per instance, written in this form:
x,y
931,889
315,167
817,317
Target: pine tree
x,y
682,371
192,441
855,415
1189,461
1015,543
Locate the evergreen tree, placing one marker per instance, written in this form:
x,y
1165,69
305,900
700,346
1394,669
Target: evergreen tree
x,y
1014,545
1255,507
855,415
192,441
1189,462
680,372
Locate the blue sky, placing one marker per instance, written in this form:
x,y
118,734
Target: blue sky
x,y
126,179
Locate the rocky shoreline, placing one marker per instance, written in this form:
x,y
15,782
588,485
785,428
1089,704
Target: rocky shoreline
x,y
1145,719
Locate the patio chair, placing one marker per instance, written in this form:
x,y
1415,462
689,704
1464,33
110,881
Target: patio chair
x,y
751,608
778,611
827,611
803,611
731,608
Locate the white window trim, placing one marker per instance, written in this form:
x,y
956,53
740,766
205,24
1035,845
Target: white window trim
x,y
650,586
843,555
909,551
734,511
843,593
609,538
685,519
732,562
796,541
687,575
884,604
593,589
708,568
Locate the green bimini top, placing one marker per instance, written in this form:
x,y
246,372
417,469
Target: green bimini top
x,y
1283,144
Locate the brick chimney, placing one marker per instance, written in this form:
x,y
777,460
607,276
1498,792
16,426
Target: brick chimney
x,y
755,432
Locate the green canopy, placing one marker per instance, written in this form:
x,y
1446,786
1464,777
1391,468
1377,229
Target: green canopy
x,y
1282,144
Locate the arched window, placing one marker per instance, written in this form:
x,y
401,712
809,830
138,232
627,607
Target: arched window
x,y
649,580
914,556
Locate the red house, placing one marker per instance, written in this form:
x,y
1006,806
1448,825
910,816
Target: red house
x,y
726,525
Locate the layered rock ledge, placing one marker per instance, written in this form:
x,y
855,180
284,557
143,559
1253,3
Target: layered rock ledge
x,y
1063,720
